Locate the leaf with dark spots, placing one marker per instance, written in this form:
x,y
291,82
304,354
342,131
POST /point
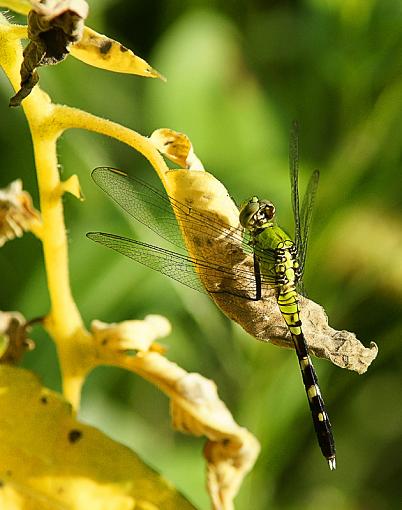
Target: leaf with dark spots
x,y
105,48
74,435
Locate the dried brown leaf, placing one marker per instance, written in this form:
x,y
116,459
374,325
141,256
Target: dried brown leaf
x,y
230,451
13,337
17,214
52,27
195,406
262,319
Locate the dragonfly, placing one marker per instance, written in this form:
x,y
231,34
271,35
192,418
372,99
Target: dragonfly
x,y
278,262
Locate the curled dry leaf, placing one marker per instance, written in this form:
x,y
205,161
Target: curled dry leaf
x,y
16,212
52,27
13,337
262,319
133,335
101,51
176,147
194,402
228,463
230,451
196,409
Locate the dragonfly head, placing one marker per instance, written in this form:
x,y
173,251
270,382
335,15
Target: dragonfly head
x,y
255,213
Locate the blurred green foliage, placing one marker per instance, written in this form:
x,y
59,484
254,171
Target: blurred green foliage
x,y
238,73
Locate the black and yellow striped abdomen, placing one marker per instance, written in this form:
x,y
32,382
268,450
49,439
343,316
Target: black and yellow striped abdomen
x,y
286,272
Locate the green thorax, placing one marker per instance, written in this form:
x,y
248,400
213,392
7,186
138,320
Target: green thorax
x,y
274,249
270,237
273,240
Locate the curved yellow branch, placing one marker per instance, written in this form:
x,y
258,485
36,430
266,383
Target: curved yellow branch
x,y
64,321
66,117
47,122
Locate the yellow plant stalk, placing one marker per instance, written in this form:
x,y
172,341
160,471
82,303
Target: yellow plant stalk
x,y
47,123
196,408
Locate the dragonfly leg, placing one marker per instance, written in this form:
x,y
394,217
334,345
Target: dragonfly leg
x,y
257,274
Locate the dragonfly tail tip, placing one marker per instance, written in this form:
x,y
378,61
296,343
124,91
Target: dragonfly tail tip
x,y
332,463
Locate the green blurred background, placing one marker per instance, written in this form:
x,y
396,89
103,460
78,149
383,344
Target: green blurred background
x,y
238,74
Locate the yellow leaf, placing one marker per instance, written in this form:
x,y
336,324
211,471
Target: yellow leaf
x,y
72,185
100,51
50,460
21,6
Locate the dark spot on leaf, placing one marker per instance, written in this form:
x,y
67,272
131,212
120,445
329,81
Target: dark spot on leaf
x,y
74,435
132,352
44,400
104,341
105,47
123,49
226,442
1,484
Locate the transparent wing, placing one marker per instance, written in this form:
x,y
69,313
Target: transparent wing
x,y
158,211
306,215
294,180
181,267
154,208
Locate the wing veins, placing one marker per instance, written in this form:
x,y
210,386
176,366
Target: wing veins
x,y
306,216
121,187
294,179
168,263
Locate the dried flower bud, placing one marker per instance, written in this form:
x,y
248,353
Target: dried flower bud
x,y
16,212
52,9
52,27
13,337
131,335
176,147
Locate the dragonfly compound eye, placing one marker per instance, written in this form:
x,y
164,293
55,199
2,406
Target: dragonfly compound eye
x,y
247,212
264,214
268,209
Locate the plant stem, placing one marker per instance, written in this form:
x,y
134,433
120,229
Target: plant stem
x,y
67,117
